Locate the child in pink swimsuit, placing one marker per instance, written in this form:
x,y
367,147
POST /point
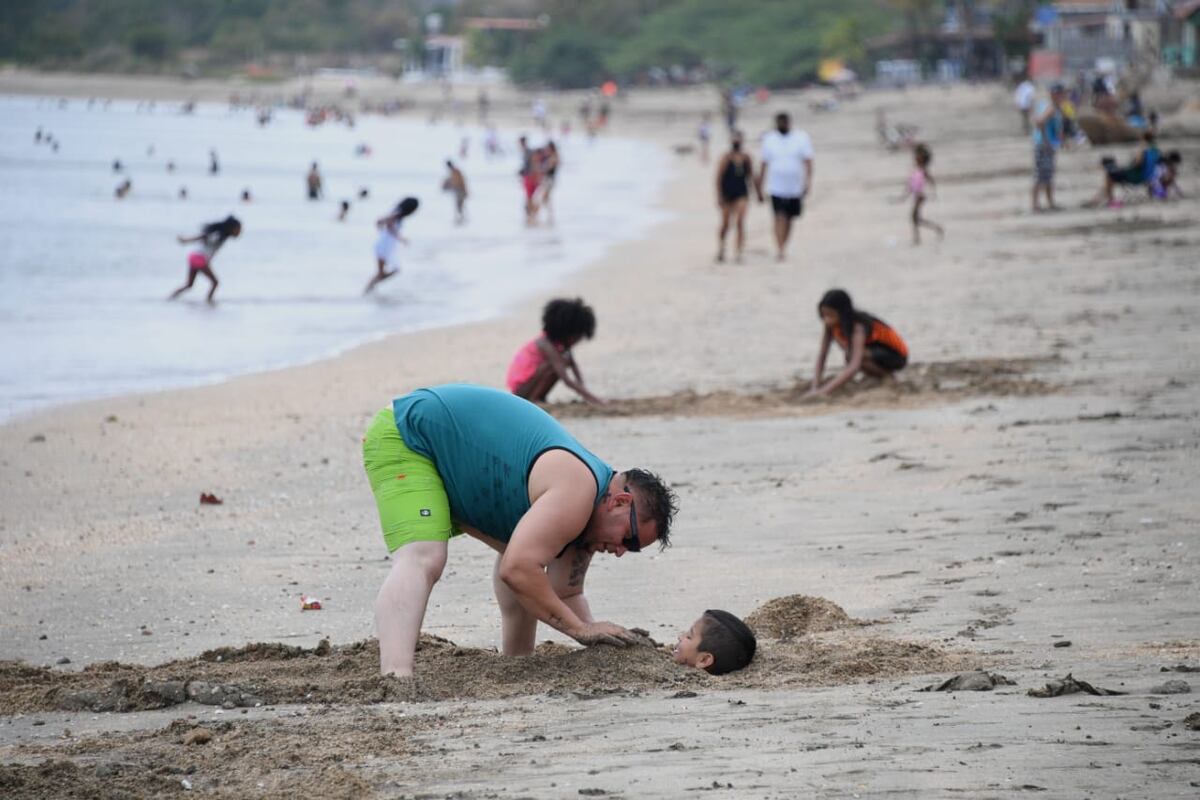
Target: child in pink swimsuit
x,y
542,361
211,237
918,180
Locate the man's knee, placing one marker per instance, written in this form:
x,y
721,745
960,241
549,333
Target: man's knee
x,y
426,558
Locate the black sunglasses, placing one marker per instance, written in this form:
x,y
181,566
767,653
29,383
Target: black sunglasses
x,y
631,543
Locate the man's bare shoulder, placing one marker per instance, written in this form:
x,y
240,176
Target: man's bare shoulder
x,y
563,471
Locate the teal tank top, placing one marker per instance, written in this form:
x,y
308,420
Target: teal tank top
x,y
483,443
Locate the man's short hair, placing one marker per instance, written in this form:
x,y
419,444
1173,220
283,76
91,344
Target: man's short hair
x,y
783,116
657,502
728,640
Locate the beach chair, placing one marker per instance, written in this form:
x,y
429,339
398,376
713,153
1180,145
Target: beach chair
x,y
1134,188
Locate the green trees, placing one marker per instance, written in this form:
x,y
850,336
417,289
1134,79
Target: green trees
x,y
771,42
580,42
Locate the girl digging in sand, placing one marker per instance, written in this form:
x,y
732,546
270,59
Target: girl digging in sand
x,y
870,345
212,236
918,180
389,237
541,362
718,642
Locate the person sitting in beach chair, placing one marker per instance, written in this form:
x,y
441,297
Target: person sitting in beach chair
x,y
1165,182
717,642
1137,174
543,361
870,344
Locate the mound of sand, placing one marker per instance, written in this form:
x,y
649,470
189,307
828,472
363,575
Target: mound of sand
x,y
798,615
272,674
261,758
919,385
348,675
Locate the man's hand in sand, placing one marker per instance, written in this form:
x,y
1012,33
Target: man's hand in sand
x,y
605,633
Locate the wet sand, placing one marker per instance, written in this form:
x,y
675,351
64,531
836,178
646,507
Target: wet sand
x,y
1028,484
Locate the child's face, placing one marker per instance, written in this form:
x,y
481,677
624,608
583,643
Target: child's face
x,y
687,649
828,316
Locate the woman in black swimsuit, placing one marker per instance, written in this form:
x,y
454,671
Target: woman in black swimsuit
x,y
734,177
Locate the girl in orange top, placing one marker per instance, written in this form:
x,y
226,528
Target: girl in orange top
x,y
870,345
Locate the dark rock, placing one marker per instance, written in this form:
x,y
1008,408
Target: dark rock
x,y
1070,685
170,692
1172,687
977,681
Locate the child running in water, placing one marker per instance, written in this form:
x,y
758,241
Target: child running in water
x,y
389,237
870,345
211,237
718,642
918,180
541,362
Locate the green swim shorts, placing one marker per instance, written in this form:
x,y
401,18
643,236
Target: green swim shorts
x,y
412,501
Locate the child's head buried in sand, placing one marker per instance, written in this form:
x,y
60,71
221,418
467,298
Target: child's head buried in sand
x,y
717,642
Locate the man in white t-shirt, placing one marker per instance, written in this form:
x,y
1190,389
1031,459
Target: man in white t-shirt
x,y
787,171
1023,98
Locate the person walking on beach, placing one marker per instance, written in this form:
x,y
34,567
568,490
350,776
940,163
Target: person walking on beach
x,y
543,361
211,237
918,180
456,183
389,238
1047,139
870,344
787,172
548,165
214,167
704,134
1023,98
456,459
735,173
313,181
529,179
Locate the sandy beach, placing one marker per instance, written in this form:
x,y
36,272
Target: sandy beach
x,y
1022,503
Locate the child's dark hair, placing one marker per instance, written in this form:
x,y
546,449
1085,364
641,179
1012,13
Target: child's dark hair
x,y
923,155
227,227
407,206
838,300
1174,157
729,640
567,320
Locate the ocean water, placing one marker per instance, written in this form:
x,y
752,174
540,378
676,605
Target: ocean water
x,y
84,277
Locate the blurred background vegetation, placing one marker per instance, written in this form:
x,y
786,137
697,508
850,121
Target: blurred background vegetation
x,y
578,42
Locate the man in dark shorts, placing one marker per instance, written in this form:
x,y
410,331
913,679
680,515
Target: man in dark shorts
x,y
460,459
787,170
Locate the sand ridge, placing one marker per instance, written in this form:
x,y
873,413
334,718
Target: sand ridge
x,y
921,384
799,646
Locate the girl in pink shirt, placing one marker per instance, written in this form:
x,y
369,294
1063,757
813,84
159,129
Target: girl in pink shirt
x,y
918,180
542,361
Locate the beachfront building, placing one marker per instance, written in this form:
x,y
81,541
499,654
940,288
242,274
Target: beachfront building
x,y
1180,33
1091,34
962,41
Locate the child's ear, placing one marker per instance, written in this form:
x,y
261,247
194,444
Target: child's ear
x,y
704,660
